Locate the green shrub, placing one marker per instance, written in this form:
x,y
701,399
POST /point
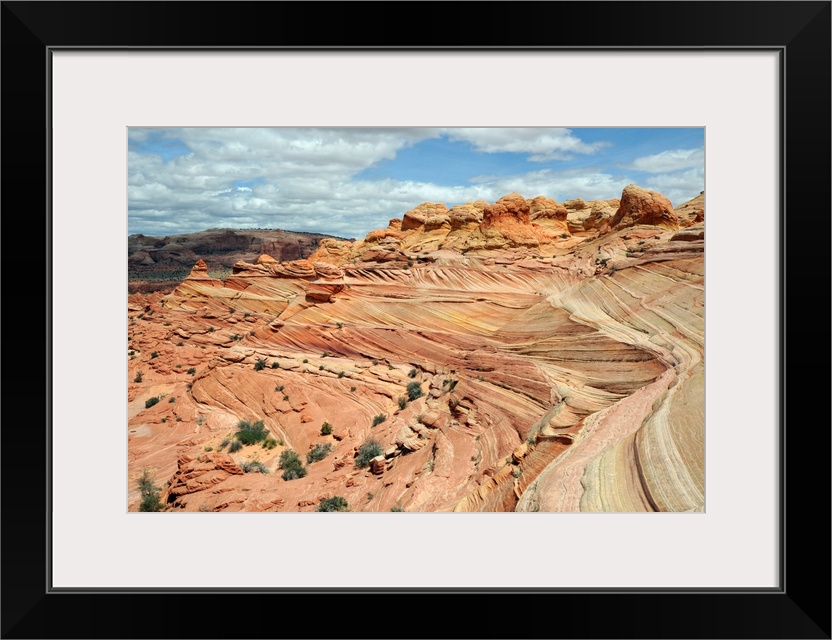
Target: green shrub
x,y
326,429
151,401
335,503
396,508
402,402
260,364
151,502
340,374
235,446
412,373
320,452
138,377
321,368
269,443
379,419
192,371
252,466
209,448
367,451
180,344
291,464
154,354
251,432
172,399
305,360
279,387
211,329
414,390
275,365
324,354
225,442
340,325
150,493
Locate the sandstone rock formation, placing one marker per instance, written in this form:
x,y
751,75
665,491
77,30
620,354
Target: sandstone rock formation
x,y
161,262
501,356
641,206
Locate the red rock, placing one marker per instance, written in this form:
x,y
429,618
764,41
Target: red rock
x,y
377,465
641,206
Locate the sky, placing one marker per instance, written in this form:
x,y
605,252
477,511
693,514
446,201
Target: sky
x,y
346,182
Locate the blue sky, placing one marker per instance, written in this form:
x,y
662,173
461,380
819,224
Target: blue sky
x,y
346,182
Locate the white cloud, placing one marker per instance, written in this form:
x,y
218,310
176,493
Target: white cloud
x,y
672,160
305,180
542,144
680,186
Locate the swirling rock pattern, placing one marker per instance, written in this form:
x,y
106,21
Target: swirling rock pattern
x,y
498,363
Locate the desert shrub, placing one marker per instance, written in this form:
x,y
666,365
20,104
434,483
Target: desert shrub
x,y
269,443
396,508
275,365
402,402
352,389
321,368
154,354
180,344
150,493
236,336
335,503
211,329
246,314
225,442
324,354
279,387
291,464
340,374
138,377
251,432
151,401
320,452
209,448
172,399
260,364
412,373
414,390
340,325
305,360
379,419
253,466
192,371
367,451
326,429
235,446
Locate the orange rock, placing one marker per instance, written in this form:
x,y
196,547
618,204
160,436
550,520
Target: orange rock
x,y
641,206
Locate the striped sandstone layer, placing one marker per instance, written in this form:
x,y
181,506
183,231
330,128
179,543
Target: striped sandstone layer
x,y
557,369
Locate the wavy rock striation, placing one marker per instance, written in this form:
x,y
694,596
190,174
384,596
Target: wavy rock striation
x,y
522,355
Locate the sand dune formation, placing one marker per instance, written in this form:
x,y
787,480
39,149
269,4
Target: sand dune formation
x,y
525,355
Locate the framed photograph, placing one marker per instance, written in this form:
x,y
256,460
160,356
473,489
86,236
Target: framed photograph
x,y
96,92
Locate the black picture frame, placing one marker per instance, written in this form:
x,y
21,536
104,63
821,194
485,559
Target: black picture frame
x,y
799,608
